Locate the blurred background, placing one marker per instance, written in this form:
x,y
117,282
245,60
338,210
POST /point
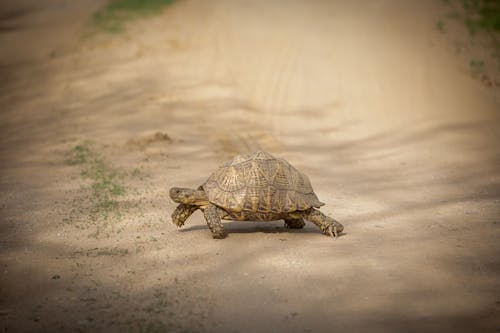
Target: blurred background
x,y
390,107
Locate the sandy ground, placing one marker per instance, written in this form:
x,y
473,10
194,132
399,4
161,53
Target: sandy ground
x,y
369,99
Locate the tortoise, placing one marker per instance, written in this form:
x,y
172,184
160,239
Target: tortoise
x,y
254,187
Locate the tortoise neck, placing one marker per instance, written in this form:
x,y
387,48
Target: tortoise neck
x,y
200,197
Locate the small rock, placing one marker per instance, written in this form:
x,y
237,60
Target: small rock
x,y
56,277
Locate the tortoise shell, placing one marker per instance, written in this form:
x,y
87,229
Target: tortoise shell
x,y
260,183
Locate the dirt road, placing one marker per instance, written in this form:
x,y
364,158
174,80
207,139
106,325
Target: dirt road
x,y
398,138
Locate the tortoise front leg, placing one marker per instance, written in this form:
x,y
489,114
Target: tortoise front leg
x,y
213,216
182,212
326,224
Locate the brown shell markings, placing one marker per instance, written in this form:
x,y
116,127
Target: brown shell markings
x,y
260,183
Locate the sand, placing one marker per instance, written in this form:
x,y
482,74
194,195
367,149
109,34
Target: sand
x,y
370,100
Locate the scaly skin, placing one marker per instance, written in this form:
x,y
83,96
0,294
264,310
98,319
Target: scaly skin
x,y
182,212
189,196
213,216
326,224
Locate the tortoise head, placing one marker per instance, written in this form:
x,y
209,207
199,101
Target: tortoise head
x,y
188,196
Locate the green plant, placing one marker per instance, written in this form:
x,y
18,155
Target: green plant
x,y
78,155
482,20
112,17
440,26
105,188
476,65
482,15
136,172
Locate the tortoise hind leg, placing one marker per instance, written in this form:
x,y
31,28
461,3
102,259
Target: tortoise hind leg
x,y
181,213
294,223
213,216
329,226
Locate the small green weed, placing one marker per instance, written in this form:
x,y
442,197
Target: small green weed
x,y
482,15
106,185
136,172
482,20
476,65
112,17
78,155
440,26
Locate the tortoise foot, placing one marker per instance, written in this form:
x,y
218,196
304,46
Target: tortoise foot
x,y
212,215
326,224
330,230
220,235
